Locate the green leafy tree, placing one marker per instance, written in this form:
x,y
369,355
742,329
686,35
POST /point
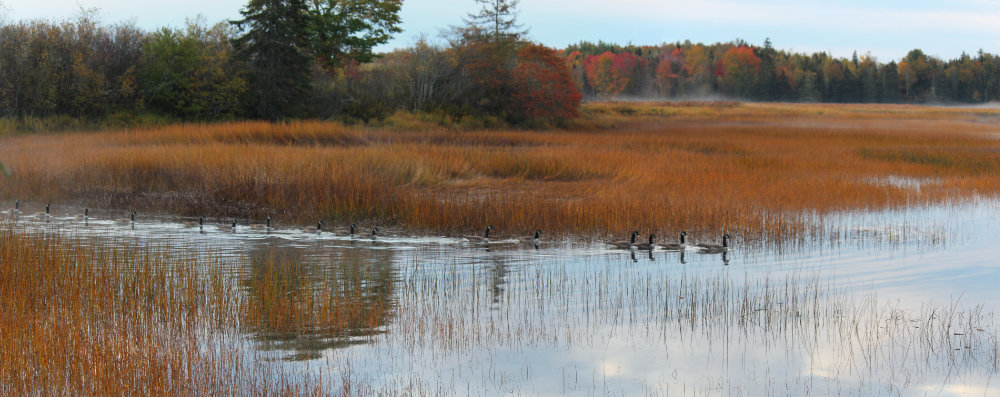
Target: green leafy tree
x,y
274,47
190,74
342,30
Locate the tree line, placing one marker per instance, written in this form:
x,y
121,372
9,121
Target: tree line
x,y
284,59
314,59
741,70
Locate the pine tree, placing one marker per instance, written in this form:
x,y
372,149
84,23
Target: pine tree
x,y
273,48
497,20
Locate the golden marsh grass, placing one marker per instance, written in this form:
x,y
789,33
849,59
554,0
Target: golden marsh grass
x,y
751,169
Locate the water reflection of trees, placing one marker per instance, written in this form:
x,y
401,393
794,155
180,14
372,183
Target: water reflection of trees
x,y
305,305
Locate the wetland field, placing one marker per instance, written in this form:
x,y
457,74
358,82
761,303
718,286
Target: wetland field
x,y
863,257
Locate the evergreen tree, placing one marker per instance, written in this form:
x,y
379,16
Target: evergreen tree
x,y
497,20
273,48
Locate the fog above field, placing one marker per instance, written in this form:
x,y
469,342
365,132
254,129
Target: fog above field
x,y
886,29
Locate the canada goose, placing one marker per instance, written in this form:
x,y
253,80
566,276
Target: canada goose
x,y
354,228
647,246
266,227
481,239
536,240
677,246
374,233
44,216
314,229
228,228
128,221
200,222
626,244
16,211
84,217
716,248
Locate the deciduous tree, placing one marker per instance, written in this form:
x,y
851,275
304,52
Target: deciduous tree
x,y
344,30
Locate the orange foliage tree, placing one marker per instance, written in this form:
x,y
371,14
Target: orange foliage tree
x,y
611,74
738,68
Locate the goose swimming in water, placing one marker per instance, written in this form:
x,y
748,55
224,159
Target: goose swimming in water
x,y
127,221
677,246
84,217
200,224
626,244
535,241
228,228
265,227
716,248
314,229
648,245
44,216
354,229
16,211
374,233
481,239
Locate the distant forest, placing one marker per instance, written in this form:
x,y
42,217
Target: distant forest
x,y
762,73
85,69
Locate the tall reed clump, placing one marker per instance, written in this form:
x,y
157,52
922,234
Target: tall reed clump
x,y
117,319
752,169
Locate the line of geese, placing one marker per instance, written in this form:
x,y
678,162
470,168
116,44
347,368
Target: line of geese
x,y
485,238
708,248
15,213
535,239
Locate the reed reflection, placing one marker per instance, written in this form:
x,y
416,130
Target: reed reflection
x,y
304,305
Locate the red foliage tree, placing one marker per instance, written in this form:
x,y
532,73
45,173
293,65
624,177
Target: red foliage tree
x,y
542,86
666,79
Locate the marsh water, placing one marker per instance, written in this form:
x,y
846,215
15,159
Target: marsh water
x,y
895,302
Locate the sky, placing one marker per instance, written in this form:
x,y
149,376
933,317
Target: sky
x,y
885,29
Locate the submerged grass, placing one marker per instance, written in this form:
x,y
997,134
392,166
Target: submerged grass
x,y
752,169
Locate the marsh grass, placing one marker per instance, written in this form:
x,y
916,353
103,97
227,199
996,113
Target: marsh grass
x,y
116,318
751,169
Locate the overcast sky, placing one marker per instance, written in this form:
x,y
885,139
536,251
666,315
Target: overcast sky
x,y
886,29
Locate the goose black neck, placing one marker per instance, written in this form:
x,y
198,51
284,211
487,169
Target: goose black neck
x,y
487,233
537,234
651,237
634,234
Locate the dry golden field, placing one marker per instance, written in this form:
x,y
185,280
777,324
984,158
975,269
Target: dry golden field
x,y
753,169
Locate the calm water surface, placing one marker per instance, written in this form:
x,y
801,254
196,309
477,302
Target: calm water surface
x,y
898,302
